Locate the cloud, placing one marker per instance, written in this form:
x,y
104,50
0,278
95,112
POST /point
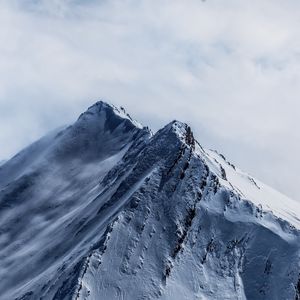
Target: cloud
x,y
230,69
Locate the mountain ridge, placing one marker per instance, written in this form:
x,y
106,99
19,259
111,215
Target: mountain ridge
x,y
105,209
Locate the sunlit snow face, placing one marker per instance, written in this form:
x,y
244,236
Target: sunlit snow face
x,y
231,70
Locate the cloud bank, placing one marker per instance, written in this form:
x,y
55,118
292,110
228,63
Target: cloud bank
x,y
231,69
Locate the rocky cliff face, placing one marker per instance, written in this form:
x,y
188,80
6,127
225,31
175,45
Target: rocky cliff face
x,y
103,209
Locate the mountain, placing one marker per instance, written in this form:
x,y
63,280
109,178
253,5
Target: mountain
x,y
104,209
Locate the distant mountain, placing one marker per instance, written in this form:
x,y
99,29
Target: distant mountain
x,y
104,209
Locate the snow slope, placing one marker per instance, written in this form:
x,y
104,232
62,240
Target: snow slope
x,y
103,209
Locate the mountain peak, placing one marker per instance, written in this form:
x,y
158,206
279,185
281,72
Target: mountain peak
x,y
104,210
183,132
111,111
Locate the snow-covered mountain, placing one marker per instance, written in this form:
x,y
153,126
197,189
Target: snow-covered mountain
x,y
104,209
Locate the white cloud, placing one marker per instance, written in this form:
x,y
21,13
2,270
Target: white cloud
x,y
230,69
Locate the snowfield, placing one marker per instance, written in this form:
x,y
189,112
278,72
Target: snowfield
x,y
104,209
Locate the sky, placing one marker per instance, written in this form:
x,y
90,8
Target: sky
x,y
230,69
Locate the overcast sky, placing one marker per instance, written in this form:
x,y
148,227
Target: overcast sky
x,y
231,69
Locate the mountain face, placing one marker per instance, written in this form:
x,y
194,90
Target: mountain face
x,y
104,209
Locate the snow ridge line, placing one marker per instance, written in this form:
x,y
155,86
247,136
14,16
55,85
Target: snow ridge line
x,y
188,220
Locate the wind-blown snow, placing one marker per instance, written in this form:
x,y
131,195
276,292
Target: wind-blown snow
x,y
256,191
103,209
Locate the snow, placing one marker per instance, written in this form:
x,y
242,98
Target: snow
x,y
255,191
103,209
121,112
